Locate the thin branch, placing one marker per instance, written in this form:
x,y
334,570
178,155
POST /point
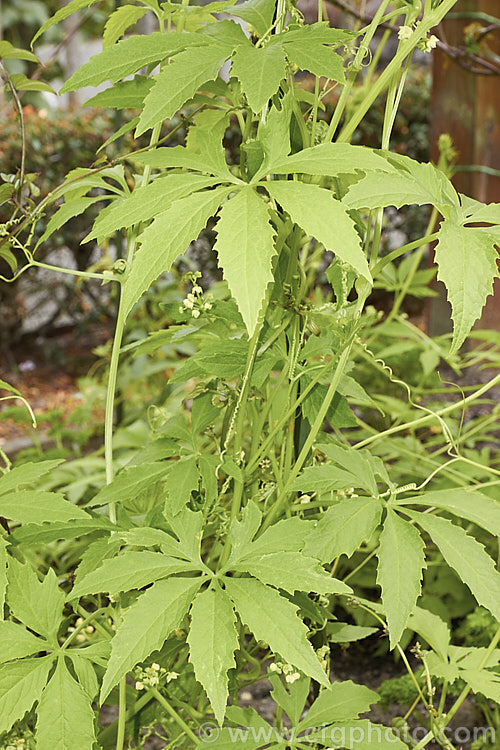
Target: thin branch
x,y
460,56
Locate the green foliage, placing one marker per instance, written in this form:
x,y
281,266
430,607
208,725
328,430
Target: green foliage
x,y
193,555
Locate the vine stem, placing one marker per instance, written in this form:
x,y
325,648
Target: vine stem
x,y
380,84
315,428
423,420
108,430
175,716
463,695
355,68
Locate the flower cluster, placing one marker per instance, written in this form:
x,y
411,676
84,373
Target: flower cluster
x,y
151,676
279,667
194,301
427,44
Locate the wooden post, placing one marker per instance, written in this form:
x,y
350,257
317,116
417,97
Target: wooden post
x,y
467,106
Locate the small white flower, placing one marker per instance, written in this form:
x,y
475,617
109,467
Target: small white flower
x,y
197,289
404,32
139,685
195,313
155,666
191,297
304,499
181,308
430,43
208,305
274,668
89,629
188,303
291,678
172,676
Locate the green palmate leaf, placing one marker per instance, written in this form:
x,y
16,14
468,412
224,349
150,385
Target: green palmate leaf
x,y
3,385
355,461
487,683
37,506
432,628
476,211
68,211
72,7
212,641
340,701
193,16
292,702
124,94
148,537
291,571
50,532
188,528
120,21
95,553
147,624
23,83
85,674
129,483
146,202
212,122
401,561
273,619
274,133
6,193
258,13
223,359
26,474
208,145
245,246
21,683
128,56
467,263
339,412
314,33
324,478
260,71
317,59
3,574
168,236
65,716
179,81
37,604
466,556
474,506
288,535
130,570
417,183
343,528
332,159
8,52
18,642
320,215
182,478
358,734
179,156
242,532
341,632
